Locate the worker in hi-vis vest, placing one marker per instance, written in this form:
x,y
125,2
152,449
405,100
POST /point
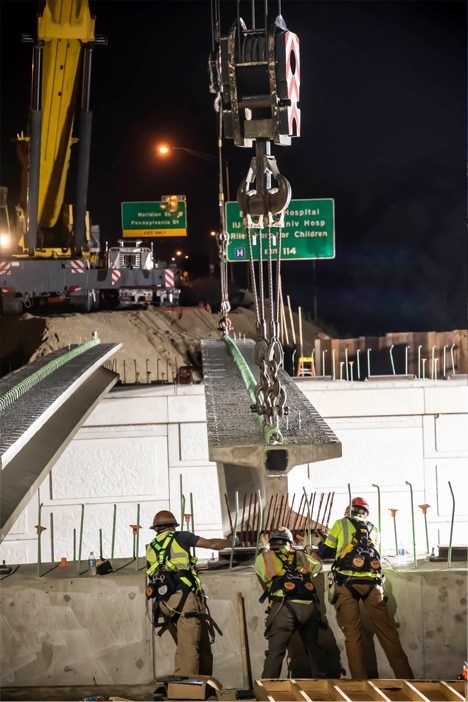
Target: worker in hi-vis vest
x,y
175,587
357,575
286,574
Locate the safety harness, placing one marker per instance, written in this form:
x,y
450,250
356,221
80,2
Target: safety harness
x,y
296,584
166,578
359,556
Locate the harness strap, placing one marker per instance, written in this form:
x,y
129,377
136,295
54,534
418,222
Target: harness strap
x,y
321,623
172,619
349,583
357,595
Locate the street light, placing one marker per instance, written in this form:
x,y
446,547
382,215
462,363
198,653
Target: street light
x,y
164,150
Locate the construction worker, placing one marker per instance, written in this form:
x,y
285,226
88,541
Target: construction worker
x,y
177,590
357,573
286,575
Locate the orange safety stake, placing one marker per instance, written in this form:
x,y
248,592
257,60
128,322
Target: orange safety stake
x,y
393,512
64,563
134,528
424,508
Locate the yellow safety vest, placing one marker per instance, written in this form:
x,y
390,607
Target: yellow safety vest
x,y
177,559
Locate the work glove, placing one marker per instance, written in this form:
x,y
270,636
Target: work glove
x,y
316,538
236,539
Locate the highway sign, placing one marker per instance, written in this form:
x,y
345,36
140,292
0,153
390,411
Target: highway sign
x,y
168,217
308,232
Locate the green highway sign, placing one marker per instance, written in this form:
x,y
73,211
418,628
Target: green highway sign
x,y
308,232
168,217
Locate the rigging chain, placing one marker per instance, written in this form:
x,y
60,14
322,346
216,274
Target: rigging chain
x,y
263,208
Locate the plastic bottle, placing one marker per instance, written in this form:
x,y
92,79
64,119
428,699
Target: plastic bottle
x,y
401,556
92,564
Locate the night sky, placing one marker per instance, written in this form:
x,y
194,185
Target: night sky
x,y
383,99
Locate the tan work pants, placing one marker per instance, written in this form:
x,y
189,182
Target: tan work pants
x,y
349,620
188,631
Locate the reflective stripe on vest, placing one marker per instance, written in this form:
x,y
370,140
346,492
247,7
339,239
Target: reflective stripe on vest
x,y
178,559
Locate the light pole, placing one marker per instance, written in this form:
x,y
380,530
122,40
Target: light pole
x,y
164,150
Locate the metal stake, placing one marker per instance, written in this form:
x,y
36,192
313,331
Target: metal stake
x,y
424,509
137,536
449,555
80,544
234,530
415,560
114,519
393,512
379,514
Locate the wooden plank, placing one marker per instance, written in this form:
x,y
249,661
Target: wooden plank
x,y
261,693
279,690
452,687
322,690
360,690
394,690
435,690
460,686
376,693
413,692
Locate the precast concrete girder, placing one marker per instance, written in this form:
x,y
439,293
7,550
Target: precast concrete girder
x,y
37,427
235,435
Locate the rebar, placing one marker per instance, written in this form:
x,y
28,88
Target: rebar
x,y
309,540
114,520
390,351
378,515
323,361
39,537
80,542
393,512
449,554
415,559
234,531
452,356
52,552
137,536
424,508
259,522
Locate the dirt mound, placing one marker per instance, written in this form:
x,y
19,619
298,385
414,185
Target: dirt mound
x,y
155,341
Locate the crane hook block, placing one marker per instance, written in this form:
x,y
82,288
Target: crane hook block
x,y
259,76
272,201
